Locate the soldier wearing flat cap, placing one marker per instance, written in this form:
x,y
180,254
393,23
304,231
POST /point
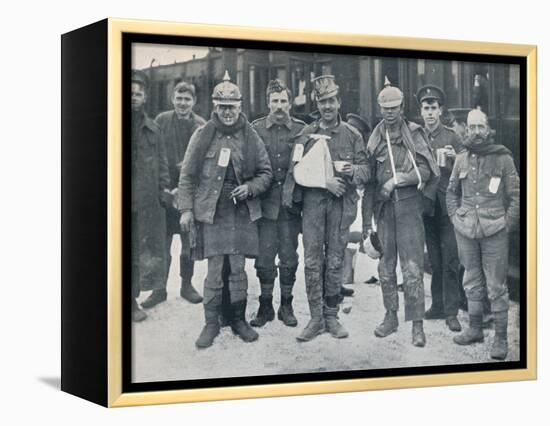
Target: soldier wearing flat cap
x,y
483,205
440,237
328,209
224,171
150,195
177,126
279,226
403,169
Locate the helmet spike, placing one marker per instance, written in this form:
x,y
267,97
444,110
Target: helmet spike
x,y
226,76
386,81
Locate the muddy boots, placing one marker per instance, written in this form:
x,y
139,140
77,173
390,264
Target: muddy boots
x,y
238,322
138,314
156,297
316,324
286,313
187,291
388,326
265,312
332,324
500,344
418,336
212,326
474,332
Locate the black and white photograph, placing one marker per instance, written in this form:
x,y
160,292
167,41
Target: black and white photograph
x,y
304,212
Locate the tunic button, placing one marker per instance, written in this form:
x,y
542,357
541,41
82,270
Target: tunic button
x,y
473,155
473,168
474,181
477,206
228,137
279,169
278,155
477,193
215,191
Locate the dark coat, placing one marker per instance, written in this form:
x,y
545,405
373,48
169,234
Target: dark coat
x,y
149,180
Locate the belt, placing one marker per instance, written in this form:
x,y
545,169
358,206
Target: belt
x,y
399,194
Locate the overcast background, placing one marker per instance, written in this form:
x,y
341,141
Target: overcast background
x,y
30,228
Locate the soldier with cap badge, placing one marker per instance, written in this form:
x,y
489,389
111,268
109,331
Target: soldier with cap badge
x,y
224,171
329,206
150,195
403,169
440,236
279,226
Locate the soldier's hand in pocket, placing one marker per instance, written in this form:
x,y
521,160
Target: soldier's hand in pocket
x,y
336,186
186,221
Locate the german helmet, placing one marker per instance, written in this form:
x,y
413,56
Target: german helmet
x,y
372,246
390,96
226,93
324,87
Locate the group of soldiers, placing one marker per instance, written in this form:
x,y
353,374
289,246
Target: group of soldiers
x,y
234,190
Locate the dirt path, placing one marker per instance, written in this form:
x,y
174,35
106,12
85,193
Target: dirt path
x,y
164,344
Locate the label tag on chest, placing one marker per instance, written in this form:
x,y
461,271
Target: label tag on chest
x,y
298,153
225,155
494,184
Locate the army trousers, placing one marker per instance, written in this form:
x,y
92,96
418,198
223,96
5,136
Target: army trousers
x,y
324,244
443,255
485,262
187,264
401,233
238,282
278,238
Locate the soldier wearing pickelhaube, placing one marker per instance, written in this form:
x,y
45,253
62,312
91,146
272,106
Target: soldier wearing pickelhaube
x,y
440,236
279,226
225,169
329,207
150,194
403,168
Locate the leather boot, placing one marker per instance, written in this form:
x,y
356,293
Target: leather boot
x,y
238,323
286,313
212,326
265,312
388,326
500,344
474,332
418,336
187,291
316,324
156,297
138,314
332,324
453,323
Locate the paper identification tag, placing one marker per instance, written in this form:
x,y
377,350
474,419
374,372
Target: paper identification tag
x,y
298,153
494,184
225,155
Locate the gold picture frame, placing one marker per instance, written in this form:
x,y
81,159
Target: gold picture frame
x,y
113,394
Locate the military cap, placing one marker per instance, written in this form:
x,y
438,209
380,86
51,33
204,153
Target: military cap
x,y
359,123
390,96
226,93
325,87
140,77
430,91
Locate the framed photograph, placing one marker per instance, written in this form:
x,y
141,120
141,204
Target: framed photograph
x,y
254,212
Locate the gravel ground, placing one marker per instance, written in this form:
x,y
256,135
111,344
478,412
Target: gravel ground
x,y
164,345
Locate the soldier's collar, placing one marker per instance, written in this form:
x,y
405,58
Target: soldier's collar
x,y
334,129
270,122
435,131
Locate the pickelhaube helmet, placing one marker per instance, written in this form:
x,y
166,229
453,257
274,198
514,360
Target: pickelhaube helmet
x,y
390,96
324,87
372,246
226,93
